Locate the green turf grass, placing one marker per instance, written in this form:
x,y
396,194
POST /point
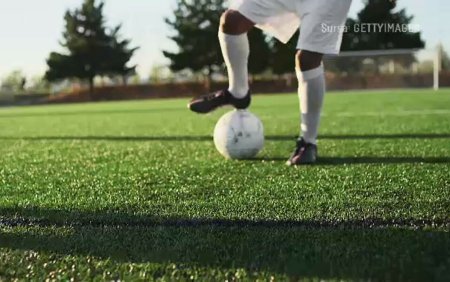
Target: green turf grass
x,y
136,190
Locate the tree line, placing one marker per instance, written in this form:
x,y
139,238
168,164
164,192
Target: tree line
x,y
92,49
195,24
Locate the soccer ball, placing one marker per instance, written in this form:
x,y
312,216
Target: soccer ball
x,y
239,135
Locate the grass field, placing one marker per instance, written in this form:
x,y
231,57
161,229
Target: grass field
x,y
136,190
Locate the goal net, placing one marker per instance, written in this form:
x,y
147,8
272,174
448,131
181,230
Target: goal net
x,y
384,69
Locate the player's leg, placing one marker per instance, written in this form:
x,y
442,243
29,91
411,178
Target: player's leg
x,y
313,43
273,16
311,91
235,50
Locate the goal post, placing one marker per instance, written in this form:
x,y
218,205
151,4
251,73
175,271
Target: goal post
x,y
437,67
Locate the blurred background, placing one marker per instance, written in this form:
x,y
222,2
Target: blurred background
x,y
57,51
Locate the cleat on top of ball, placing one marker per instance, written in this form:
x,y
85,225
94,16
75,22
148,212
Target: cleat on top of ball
x,y
211,102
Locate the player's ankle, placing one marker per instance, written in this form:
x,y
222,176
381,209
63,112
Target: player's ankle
x,y
309,140
239,93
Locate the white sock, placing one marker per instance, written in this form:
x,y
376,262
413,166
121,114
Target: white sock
x,y
236,50
311,92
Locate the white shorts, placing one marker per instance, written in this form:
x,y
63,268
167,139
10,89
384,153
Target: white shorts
x,y
321,21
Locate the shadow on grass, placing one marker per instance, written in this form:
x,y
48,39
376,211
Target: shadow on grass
x,y
366,249
115,138
385,136
322,160
382,160
210,138
87,113
336,161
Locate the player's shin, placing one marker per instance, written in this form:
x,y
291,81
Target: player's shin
x,y
311,93
236,50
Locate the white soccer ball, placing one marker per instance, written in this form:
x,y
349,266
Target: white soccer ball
x,y
239,135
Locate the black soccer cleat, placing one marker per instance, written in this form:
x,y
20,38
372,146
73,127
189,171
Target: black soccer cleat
x,y
211,102
304,154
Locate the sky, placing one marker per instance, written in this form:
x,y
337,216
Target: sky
x,y
30,30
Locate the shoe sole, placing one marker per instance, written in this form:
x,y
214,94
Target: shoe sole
x,y
210,112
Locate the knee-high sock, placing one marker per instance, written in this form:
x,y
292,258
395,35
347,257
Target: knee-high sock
x,y
236,50
311,92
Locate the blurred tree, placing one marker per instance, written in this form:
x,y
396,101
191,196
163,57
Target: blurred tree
x,y
196,24
120,56
445,59
350,40
39,84
156,74
426,66
362,34
282,60
160,73
14,81
391,36
260,52
135,79
91,48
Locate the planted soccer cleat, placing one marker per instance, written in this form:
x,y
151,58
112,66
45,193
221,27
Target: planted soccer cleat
x,y
211,102
304,154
